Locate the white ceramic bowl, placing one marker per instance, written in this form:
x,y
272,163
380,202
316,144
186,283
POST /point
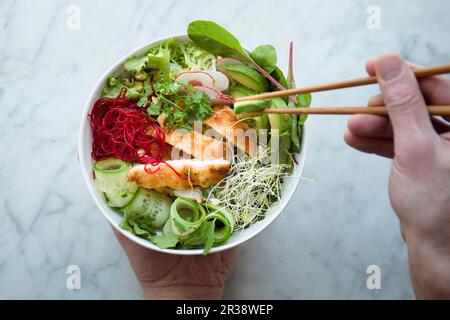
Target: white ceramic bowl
x,y
115,218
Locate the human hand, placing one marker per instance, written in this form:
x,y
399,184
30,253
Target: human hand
x,y
166,276
419,185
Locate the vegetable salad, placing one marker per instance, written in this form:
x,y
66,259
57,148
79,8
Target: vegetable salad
x,y
167,149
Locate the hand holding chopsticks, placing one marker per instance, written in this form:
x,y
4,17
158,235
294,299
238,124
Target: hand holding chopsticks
x,y
380,110
419,180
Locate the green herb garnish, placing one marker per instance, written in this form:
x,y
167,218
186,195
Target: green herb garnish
x,y
181,105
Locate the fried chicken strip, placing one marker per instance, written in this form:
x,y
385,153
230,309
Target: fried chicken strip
x,y
180,174
224,121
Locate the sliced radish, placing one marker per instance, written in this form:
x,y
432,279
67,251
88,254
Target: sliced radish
x,y
221,81
211,92
216,96
196,78
223,63
226,98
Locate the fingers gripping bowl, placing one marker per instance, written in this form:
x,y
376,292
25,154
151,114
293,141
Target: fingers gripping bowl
x,y
199,202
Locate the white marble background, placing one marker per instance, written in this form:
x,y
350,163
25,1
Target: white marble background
x,y
329,233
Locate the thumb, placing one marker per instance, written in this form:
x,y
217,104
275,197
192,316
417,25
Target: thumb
x,y
405,103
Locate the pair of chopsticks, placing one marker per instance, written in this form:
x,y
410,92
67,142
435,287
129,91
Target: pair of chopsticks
x,y
442,110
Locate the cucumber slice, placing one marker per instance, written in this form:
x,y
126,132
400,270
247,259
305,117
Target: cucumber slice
x,y
148,208
111,165
111,178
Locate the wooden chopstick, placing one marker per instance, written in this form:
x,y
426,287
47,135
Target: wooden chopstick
x,y
419,73
443,110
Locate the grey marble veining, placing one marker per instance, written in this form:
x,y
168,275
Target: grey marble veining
x,y
331,231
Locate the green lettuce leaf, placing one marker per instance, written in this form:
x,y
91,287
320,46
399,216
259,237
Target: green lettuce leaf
x,y
114,85
135,64
138,226
196,58
159,59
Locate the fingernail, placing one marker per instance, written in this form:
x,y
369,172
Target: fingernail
x,y
388,67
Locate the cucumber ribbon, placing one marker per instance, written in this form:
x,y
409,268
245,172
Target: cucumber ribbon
x,y
186,216
221,234
196,224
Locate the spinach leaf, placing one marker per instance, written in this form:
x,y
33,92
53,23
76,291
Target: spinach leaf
x,y
304,101
215,39
218,41
265,56
297,121
290,77
295,137
166,240
279,76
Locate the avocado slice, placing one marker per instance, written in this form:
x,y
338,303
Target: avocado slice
x,y
262,122
251,106
248,77
239,91
281,122
284,145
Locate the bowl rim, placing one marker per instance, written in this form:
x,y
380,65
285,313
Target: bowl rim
x,y
288,193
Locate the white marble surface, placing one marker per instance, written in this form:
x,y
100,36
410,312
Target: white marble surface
x,y
329,233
